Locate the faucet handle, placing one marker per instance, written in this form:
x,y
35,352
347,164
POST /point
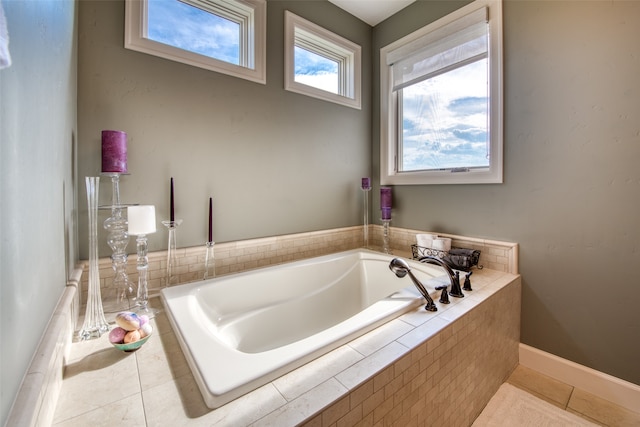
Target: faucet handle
x,y
455,286
467,282
444,296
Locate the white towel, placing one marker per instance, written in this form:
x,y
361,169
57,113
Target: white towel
x,y
5,56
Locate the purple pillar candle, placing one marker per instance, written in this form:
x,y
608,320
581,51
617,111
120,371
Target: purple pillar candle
x,y
366,183
385,198
385,202
114,151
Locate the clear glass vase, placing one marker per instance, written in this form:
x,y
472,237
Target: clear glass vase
x,y
95,323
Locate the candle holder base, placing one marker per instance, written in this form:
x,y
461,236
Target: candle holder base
x,y
365,227
170,276
142,299
386,245
209,261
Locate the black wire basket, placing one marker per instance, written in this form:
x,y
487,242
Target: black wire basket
x,y
457,258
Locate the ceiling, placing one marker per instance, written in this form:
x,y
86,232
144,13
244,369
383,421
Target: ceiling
x,y
372,11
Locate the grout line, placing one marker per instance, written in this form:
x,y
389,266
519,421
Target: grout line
x,y
566,406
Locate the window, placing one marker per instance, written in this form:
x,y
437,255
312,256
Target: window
x,y
321,64
227,36
441,101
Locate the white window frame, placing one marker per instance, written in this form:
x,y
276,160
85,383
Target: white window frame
x,y
389,174
300,32
251,15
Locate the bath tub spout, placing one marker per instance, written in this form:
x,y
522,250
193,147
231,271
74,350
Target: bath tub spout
x,y
401,269
453,277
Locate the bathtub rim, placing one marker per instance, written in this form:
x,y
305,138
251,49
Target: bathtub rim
x,y
217,397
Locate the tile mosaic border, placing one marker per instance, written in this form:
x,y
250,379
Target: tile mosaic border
x,y
234,257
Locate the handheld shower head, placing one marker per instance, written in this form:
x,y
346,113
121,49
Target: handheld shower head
x,y
400,268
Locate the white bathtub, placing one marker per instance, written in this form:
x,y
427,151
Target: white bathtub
x,y
242,331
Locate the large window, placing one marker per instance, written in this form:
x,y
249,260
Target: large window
x,y
441,101
227,36
321,64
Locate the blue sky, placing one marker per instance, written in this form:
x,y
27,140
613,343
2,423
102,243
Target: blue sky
x,y
315,70
445,120
181,25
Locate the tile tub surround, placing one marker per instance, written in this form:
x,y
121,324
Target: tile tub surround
x,y
415,369
37,397
234,257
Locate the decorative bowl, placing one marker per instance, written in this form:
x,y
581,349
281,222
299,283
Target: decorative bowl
x,y
132,346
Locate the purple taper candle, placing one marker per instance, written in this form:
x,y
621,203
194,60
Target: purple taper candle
x,y
210,219
171,209
114,151
366,183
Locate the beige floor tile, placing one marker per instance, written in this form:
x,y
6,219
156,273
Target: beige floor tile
x,y
602,411
161,360
128,411
100,378
174,403
542,386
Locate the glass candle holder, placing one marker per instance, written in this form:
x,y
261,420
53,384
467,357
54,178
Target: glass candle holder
x,y
386,243
170,276
142,221
121,296
209,261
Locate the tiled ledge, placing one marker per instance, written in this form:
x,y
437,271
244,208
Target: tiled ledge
x,y
234,257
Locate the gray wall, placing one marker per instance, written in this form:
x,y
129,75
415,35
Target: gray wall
x,y
275,162
37,136
572,184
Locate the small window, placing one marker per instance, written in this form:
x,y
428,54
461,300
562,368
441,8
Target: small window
x,y
441,101
227,36
321,64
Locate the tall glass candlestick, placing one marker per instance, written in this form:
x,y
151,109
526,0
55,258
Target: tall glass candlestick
x,y
366,188
386,246
385,207
142,221
170,277
122,295
209,261
142,265
94,322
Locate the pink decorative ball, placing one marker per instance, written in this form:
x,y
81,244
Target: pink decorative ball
x,y
116,336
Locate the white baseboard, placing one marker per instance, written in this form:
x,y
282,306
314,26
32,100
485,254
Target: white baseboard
x,y
616,390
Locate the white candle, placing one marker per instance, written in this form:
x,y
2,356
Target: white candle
x,y
142,219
